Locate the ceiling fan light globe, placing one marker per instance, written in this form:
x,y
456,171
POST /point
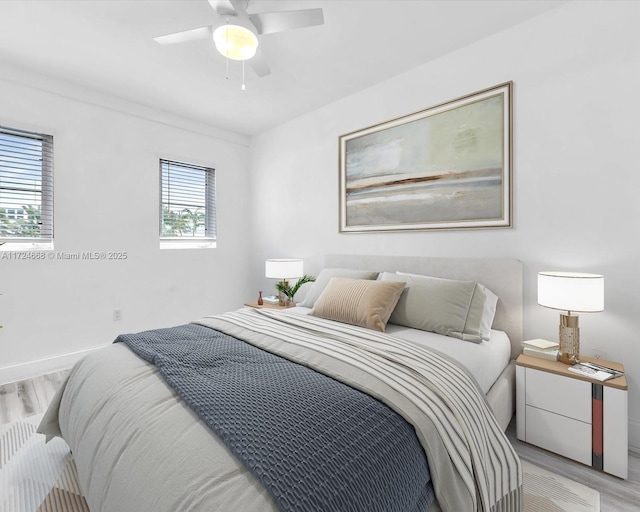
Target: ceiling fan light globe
x,y
235,42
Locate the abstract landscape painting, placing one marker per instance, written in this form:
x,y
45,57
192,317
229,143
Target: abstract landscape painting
x,y
447,167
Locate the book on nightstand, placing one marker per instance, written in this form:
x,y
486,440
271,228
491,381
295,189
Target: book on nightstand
x,y
550,354
541,348
593,372
602,369
540,344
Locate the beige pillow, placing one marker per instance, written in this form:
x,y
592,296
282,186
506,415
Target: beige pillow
x,y
358,302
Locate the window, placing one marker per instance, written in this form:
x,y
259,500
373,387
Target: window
x,y
26,186
188,202
14,213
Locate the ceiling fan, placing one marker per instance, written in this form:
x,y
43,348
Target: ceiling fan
x,y
236,34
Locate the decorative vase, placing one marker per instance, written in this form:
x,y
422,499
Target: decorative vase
x,y
260,301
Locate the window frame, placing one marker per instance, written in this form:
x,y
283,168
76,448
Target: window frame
x,y
45,190
206,240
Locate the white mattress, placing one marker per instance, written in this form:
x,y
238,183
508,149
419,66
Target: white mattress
x,y
485,360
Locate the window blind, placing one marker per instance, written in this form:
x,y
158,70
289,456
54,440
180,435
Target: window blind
x,y
188,204
26,185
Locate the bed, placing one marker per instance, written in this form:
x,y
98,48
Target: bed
x,y
140,420
502,276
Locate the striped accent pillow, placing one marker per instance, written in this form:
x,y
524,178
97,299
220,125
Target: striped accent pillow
x,y
359,302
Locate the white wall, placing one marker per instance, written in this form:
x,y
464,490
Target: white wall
x,y
106,181
576,74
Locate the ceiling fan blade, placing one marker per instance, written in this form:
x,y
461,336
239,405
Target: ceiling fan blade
x,y
187,35
222,7
259,64
270,22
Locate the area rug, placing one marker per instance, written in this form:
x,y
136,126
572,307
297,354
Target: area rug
x,y
34,476
545,491
39,477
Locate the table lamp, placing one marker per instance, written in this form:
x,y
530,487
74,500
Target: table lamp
x,y
570,292
283,269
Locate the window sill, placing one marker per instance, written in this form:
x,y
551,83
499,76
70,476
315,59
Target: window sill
x,y
188,243
27,246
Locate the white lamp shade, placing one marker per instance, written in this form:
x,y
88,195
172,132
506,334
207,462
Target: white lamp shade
x,y
571,291
283,269
235,42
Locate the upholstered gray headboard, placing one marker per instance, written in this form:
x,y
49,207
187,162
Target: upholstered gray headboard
x,y
502,276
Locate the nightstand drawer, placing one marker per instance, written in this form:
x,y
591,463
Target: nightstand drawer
x,y
559,434
558,394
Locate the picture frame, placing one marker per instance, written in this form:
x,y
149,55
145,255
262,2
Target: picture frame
x,y
446,167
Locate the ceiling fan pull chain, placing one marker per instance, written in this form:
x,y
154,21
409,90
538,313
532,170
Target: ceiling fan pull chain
x,y
243,87
227,51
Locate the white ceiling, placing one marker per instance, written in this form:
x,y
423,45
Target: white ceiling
x,y
107,45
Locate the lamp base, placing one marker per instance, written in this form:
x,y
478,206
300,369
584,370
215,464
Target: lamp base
x,y
282,298
569,339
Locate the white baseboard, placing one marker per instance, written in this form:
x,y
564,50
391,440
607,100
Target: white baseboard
x,y
42,366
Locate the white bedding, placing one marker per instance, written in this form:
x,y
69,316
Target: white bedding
x,y
486,360
138,447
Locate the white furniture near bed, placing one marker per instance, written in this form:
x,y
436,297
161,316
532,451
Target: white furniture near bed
x,y
586,422
139,446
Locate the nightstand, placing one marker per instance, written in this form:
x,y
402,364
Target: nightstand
x,y
266,305
571,415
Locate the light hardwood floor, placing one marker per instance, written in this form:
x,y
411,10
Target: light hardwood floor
x,y
32,396
27,397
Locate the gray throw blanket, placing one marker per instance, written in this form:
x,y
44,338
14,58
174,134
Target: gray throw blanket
x,y
315,443
473,466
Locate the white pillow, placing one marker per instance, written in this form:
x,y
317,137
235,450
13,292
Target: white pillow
x,y
325,276
481,312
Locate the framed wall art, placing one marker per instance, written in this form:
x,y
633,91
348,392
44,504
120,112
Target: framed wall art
x,y
446,167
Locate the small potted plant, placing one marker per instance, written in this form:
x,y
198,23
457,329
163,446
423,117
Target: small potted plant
x,y
289,291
